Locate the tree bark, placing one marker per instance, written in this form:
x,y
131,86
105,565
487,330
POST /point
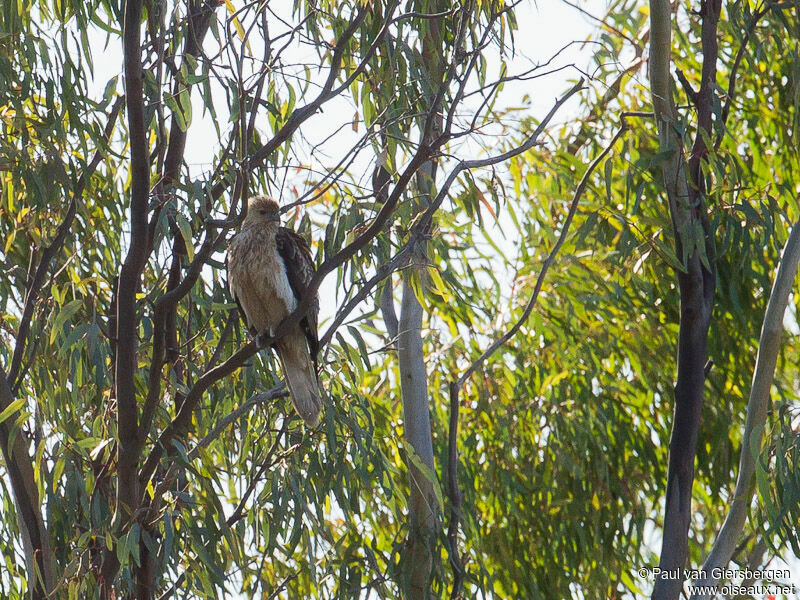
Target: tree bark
x,y
417,431
763,375
423,517
696,281
127,496
39,559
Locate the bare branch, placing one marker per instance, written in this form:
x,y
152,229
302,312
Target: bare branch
x,y
53,248
763,375
19,466
548,261
129,279
606,25
532,140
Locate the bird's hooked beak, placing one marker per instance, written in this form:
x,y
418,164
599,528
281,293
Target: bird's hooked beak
x,y
274,217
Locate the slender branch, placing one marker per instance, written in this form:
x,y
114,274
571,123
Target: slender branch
x,y
129,282
19,467
463,165
167,480
763,376
454,495
548,261
384,271
605,24
181,422
453,489
691,93
279,391
53,248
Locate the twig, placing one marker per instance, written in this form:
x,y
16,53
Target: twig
x,y
737,61
54,247
129,281
763,376
454,492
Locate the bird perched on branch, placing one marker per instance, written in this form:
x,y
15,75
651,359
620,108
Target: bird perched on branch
x,y
269,270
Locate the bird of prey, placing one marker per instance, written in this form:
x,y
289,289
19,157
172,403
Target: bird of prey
x,y
269,269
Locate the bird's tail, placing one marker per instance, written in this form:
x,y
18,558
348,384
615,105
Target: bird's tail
x,y
300,377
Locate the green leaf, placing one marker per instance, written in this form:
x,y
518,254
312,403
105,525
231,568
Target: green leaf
x,y
186,107
186,233
11,409
177,112
429,475
65,314
109,91
669,255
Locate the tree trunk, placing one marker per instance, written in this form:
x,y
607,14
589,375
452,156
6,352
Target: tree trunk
x,y
35,541
417,430
423,517
683,182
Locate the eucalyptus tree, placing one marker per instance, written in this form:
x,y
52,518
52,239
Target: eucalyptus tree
x,y
580,459
723,129
149,449
148,446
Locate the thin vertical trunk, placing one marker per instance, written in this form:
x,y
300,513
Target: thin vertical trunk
x,y
417,431
423,517
130,274
683,182
769,344
127,497
39,559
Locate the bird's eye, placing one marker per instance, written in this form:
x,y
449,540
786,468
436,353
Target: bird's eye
x,y
263,212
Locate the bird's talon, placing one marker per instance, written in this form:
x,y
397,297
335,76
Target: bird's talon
x,y
259,340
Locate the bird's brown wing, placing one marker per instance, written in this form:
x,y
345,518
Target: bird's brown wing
x,y
242,314
296,255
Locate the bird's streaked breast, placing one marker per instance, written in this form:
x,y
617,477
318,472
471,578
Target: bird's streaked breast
x,y
257,277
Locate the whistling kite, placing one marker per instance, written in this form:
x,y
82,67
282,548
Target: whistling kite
x,y
269,269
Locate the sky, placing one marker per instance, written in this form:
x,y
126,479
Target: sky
x,y
544,29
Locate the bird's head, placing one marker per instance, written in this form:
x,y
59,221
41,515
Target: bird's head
x,y
262,211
